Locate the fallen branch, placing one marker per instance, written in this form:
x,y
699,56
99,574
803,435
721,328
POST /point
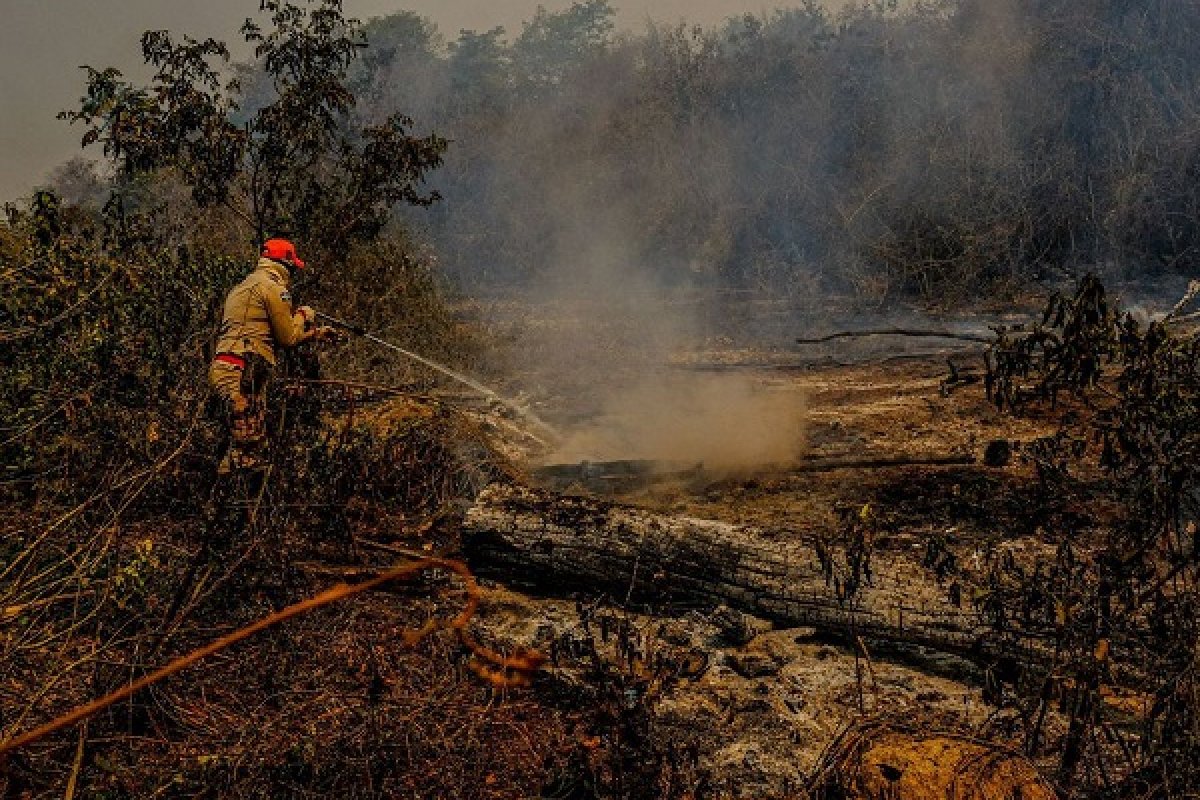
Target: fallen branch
x,y
822,361
1174,315
12,612
495,668
912,332
606,474
77,764
832,465
1185,319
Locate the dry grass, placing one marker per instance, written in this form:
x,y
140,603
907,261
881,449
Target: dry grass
x,y
335,702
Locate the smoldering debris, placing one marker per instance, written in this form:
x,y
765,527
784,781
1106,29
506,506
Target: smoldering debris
x,y
720,420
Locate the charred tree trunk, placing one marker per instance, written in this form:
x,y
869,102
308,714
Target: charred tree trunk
x,y
562,545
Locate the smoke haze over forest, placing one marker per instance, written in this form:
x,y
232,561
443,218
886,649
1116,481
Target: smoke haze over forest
x,y
883,151
42,44
880,149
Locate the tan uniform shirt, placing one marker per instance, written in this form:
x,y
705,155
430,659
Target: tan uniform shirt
x,y
259,314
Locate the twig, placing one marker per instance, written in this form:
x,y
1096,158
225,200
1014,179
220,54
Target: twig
x,y
913,332
73,781
1193,291
15,611
31,330
65,518
847,220
34,425
832,465
860,650
1193,317
400,551
176,617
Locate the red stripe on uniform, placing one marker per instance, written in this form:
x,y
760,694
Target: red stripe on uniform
x,y
232,360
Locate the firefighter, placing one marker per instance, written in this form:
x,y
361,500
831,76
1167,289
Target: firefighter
x,y
259,317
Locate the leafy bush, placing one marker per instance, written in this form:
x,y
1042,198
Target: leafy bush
x,y
110,314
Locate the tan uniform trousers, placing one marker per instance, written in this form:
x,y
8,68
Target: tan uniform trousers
x,y
243,392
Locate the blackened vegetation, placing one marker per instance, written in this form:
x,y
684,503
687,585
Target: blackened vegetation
x,y
1065,352
1119,601
845,556
617,669
105,591
427,462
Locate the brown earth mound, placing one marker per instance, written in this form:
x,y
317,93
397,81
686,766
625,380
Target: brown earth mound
x,y
878,761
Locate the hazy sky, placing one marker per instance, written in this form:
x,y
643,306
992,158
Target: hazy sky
x,y
43,42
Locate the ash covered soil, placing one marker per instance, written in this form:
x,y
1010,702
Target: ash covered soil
x,y
755,716
642,701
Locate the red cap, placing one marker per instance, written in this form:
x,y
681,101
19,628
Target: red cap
x,y
283,251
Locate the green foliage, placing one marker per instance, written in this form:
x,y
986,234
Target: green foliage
x,y
297,165
554,44
130,583
478,69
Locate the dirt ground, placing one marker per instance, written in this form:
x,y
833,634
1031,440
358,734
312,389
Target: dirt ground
x,y
769,705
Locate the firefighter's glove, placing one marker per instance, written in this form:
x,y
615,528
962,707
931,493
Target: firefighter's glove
x,y
310,316
326,333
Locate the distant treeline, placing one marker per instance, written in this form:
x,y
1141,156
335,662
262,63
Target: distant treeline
x,y
929,151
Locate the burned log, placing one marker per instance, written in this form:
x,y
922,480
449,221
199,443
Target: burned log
x,y
605,476
909,332
546,542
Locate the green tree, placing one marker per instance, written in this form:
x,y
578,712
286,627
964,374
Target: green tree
x,y
402,69
552,44
298,165
480,74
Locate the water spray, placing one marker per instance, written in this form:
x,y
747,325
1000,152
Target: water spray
x,y
465,380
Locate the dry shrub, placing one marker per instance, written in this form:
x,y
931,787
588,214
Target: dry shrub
x,y
1119,599
393,289
413,456
332,703
338,704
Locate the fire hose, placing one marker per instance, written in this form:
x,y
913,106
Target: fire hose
x,y
521,410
